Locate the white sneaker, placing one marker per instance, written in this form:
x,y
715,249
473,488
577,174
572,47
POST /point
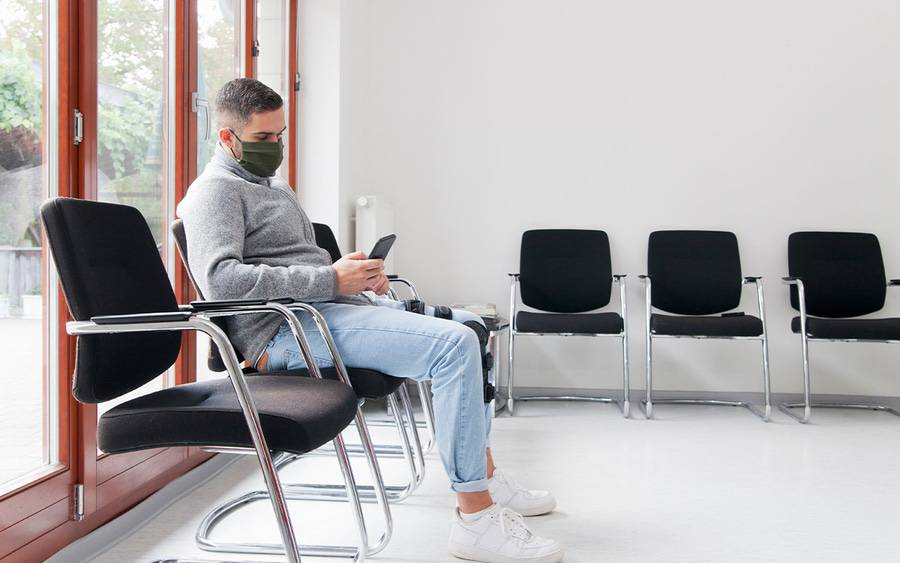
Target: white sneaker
x,y
507,492
501,536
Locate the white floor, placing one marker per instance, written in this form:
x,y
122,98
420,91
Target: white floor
x,y
699,484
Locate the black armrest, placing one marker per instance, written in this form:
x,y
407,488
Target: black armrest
x,y
893,282
223,303
751,279
393,276
198,306
619,276
790,279
643,276
513,275
137,318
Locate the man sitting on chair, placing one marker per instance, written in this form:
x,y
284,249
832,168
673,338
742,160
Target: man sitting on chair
x,y
249,238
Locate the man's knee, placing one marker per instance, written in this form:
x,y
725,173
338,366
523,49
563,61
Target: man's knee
x,y
464,337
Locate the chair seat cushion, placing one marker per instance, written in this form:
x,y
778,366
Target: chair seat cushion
x,y
582,323
718,326
367,383
857,329
298,414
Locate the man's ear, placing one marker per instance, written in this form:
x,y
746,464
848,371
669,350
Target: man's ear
x,y
225,136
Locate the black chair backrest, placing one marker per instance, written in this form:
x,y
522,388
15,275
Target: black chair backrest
x,y
177,228
694,272
326,240
842,273
214,360
565,270
108,264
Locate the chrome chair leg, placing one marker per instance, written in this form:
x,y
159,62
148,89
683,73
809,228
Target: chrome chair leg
x,y
349,491
221,511
369,493
428,410
648,401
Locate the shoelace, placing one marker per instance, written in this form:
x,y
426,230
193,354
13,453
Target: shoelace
x,y
512,524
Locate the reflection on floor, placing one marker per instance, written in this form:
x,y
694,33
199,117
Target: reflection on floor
x,y
698,484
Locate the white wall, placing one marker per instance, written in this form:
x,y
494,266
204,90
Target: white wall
x,y
479,119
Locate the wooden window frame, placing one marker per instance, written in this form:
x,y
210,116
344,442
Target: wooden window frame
x,y
36,520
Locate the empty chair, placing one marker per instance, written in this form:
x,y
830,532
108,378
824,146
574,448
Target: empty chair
x,y
696,276
566,275
127,321
836,276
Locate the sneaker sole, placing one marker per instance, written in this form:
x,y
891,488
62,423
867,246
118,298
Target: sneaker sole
x,y
483,556
537,511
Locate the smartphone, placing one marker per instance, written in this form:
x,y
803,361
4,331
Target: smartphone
x,y
382,247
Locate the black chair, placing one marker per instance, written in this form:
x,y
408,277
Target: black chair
x,y
566,274
836,276
128,321
696,275
368,384
326,240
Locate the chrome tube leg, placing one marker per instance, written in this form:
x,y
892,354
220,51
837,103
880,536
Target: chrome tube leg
x,y
510,374
648,405
626,382
417,442
378,484
361,427
511,352
270,474
767,381
428,409
407,447
807,407
353,495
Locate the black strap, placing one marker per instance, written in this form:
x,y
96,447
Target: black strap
x,y
487,360
443,312
414,306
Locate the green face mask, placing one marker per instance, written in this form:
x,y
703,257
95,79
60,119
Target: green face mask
x,y
260,158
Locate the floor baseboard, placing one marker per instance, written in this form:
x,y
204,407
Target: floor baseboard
x,y
117,530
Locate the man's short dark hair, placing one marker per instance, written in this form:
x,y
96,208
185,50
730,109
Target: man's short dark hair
x,y
240,98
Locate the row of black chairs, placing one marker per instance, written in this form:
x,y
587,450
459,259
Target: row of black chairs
x,y
693,289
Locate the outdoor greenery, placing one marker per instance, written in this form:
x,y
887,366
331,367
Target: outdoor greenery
x,y
131,83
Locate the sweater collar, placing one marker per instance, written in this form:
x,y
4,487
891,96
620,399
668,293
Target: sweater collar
x,y
223,158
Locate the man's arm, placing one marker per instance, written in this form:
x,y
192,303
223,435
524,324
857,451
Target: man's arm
x,y
215,229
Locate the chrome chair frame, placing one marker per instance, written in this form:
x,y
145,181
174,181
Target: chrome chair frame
x,y
203,323
378,492
648,402
624,403
807,405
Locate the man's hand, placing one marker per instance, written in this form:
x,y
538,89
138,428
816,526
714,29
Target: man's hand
x,y
382,285
355,273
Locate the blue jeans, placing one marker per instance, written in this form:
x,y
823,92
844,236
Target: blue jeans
x,y
389,339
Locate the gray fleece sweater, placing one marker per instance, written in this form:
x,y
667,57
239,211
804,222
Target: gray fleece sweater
x,y
248,238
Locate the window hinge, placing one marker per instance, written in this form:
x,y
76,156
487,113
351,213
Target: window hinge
x,y
254,51
78,503
78,135
296,82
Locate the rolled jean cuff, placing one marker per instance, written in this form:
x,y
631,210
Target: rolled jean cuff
x,y
478,486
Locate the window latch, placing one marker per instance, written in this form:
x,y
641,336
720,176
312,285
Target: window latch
x,y
198,103
78,130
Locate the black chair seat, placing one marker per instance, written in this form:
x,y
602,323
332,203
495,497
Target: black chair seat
x,y
555,323
298,414
367,383
737,325
858,329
